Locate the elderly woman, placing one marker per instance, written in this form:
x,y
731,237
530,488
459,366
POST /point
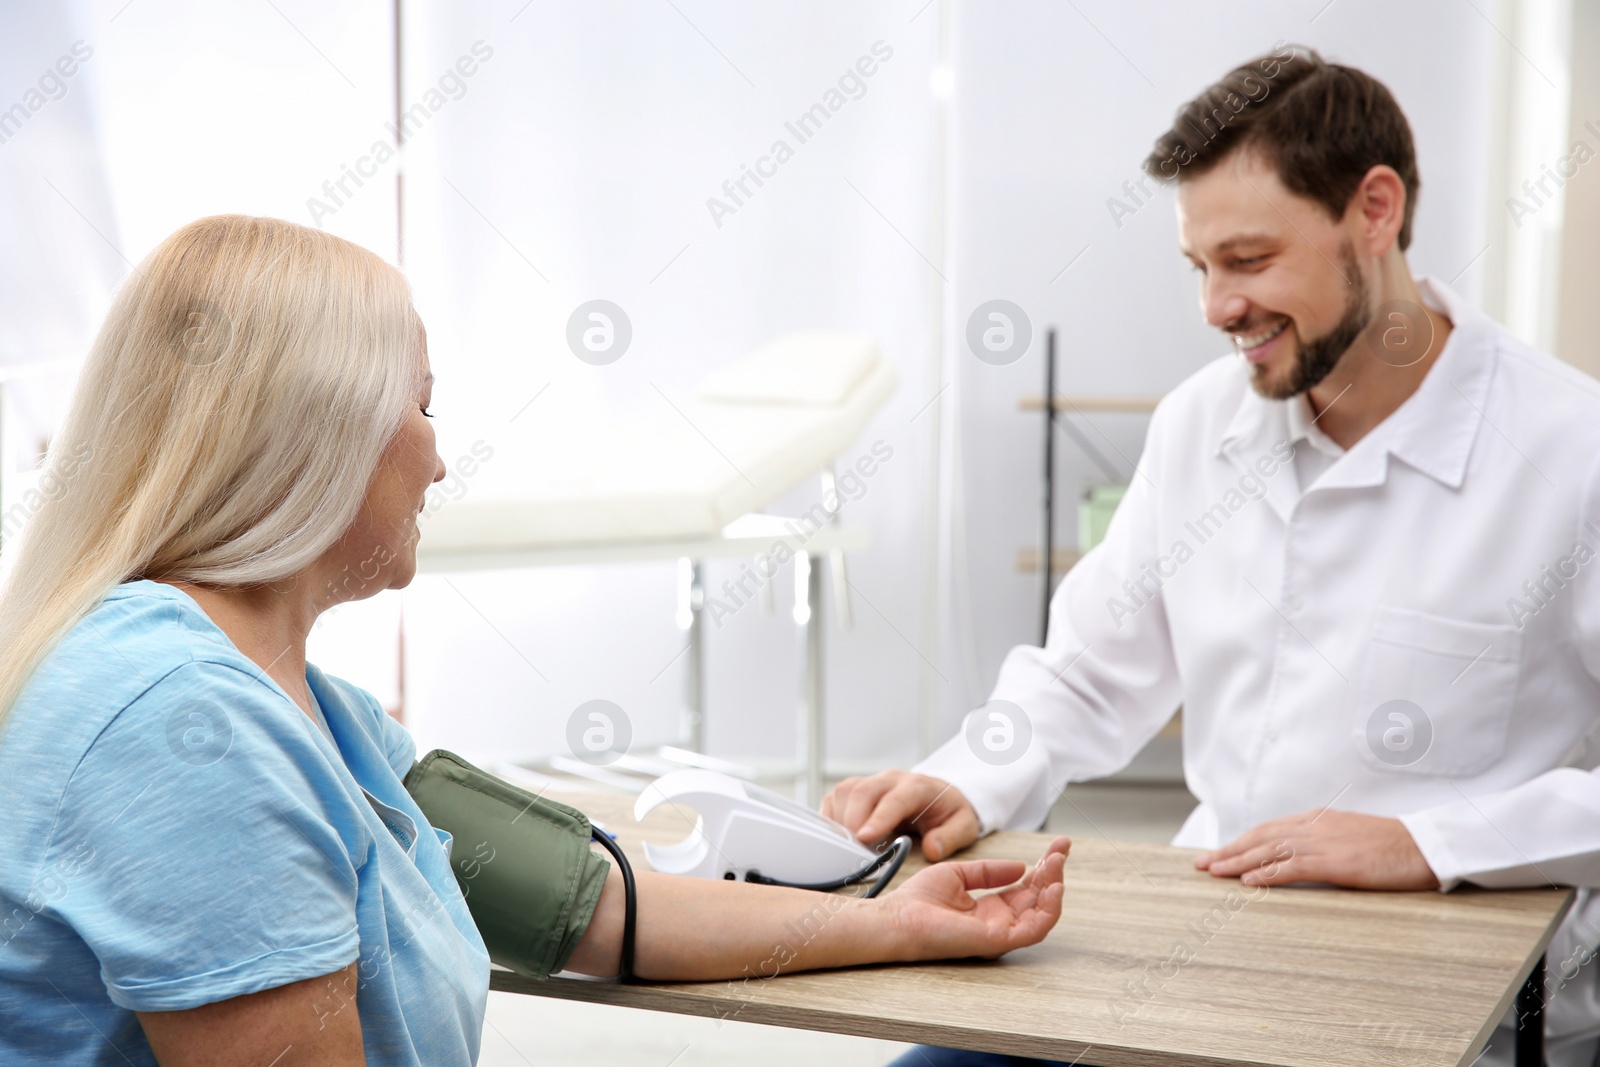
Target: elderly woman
x,y
204,857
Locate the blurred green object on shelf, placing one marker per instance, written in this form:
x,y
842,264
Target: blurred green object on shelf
x,y
1094,513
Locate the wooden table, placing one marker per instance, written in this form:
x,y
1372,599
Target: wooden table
x,y
1155,963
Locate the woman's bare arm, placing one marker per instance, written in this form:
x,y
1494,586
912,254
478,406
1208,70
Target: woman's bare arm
x,y
698,929
303,1024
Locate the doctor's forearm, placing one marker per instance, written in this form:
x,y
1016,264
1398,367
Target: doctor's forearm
x,y
1542,832
693,929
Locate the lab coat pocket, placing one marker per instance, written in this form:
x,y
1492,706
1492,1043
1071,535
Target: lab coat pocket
x,y
1434,695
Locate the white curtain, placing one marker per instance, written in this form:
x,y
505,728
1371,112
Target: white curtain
x,y
58,235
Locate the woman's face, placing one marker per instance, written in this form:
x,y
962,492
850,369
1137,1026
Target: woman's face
x,y
379,551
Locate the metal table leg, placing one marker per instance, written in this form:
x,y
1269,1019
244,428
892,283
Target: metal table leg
x,y
808,617
691,617
1530,1019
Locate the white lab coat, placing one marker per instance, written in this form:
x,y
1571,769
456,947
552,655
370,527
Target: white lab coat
x,y
1448,560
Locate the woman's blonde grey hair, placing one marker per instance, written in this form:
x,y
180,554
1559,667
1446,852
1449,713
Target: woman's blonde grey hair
x,y
225,427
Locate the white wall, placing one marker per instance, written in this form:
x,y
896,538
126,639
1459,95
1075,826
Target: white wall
x,y
577,165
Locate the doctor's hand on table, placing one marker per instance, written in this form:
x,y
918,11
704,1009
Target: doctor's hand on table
x,y
877,806
1342,848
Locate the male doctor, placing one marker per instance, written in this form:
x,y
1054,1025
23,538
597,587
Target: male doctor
x,y
1359,550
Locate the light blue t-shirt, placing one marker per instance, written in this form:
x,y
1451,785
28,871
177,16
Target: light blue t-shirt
x,y
175,830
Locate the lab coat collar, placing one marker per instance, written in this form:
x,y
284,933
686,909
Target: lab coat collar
x,y
1433,431
1303,425
1258,427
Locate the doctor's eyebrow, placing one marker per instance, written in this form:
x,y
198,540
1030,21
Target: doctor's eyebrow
x,y
1236,242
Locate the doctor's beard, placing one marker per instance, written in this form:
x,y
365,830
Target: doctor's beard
x,y
1315,359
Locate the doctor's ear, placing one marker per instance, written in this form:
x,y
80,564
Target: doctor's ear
x,y
1380,202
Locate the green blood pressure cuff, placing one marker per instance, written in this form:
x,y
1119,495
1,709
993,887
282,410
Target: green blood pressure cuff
x,y
523,861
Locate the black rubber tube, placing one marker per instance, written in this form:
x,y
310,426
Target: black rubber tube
x,y
630,901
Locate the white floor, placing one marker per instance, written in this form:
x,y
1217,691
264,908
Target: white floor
x,y
521,1031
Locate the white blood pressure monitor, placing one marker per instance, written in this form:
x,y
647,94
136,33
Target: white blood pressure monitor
x,y
742,828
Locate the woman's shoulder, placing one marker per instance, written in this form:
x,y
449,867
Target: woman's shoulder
x,y
359,708
141,633
145,657
140,706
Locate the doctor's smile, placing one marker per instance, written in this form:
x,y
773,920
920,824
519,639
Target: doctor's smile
x,y
1254,345
1282,747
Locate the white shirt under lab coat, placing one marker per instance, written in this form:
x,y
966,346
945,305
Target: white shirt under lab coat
x,y
1443,569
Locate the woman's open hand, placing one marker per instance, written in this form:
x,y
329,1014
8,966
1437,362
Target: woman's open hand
x,y
697,929
941,919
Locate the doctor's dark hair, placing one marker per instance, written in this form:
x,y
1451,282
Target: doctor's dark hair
x,y
1320,125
